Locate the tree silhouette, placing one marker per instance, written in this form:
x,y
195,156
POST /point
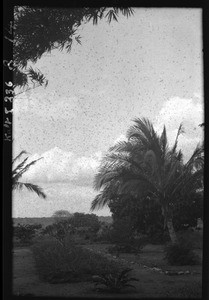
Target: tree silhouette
x,y
61,214
146,166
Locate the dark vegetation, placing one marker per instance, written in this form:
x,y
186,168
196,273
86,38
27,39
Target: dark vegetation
x,y
154,198
145,174
25,233
142,178
69,263
181,254
45,221
63,254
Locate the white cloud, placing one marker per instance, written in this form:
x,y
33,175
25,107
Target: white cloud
x,y
57,165
189,112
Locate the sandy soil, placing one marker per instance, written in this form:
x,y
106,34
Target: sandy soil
x,y
151,283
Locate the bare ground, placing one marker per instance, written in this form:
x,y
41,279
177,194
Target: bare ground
x,y
152,282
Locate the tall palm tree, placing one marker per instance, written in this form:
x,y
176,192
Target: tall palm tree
x,y
144,166
19,170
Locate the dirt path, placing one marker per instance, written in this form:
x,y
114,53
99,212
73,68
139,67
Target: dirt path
x,y
151,284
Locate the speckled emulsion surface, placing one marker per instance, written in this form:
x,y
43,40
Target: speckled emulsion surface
x,y
148,65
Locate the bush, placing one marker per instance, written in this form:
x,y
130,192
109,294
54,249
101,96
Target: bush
x,y
124,238
70,263
25,233
180,254
59,231
86,225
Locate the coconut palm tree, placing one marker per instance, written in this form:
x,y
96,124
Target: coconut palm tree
x,y
19,170
145,166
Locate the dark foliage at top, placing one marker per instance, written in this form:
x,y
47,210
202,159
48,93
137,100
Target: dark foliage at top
x,y
38,30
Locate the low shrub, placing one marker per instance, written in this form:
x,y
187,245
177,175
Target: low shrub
x,y
70,263
24,233
180,254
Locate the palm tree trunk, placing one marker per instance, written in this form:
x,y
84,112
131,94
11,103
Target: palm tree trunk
x,y
168,222
171,231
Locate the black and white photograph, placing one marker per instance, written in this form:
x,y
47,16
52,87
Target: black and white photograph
x,y
107,151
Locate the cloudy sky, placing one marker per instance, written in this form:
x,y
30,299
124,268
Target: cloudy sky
x,y
149,65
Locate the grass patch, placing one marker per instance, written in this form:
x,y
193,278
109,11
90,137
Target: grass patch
x,y
71,263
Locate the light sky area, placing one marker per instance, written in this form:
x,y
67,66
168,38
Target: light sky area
x,y
148,65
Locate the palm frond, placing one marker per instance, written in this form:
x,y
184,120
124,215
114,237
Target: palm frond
x,y
19,167
123,146
99,202
18,156
145,165
197,157
151,160
143,132
164,143
21,170
180,131
109,193
111,167
186,183
30,187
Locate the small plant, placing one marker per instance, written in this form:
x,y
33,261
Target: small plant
x,y
115,282
180,254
